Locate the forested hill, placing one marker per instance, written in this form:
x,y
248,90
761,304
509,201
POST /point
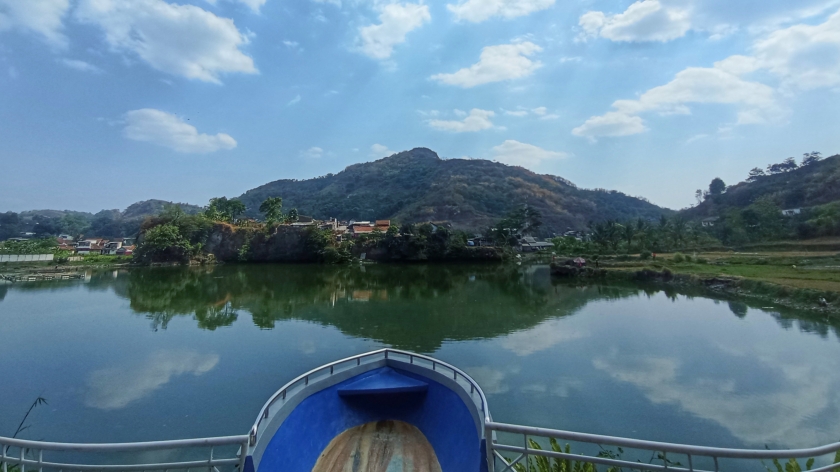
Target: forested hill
x,y
811,184
417,185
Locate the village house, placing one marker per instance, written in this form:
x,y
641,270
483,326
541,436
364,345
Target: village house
x,y
530,244
91,245
792,212
709,222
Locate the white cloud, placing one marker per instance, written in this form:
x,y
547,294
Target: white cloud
x,y
80,65
477,11
254,5
496,63
720,84
645,20
545,335
168,130
519,113
611,124
293,101
291,44
115,387
157,32
334,2
378,150
396,21
803,56
492,380
43,17
782,412
313,153
540,110
521,154
476,121
550,116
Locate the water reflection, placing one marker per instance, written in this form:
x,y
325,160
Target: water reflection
x,y
411,307
213,343
115,387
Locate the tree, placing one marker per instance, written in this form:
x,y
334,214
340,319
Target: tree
x,y
223,209
628,233
164,243
699,196
717,186
172,213
678,229
811,158
73,224
272,208
9,225
755,173
292,216
787,165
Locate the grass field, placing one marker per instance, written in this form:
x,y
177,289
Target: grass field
x,y
798,269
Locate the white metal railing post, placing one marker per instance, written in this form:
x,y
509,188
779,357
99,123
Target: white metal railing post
x,y
488,446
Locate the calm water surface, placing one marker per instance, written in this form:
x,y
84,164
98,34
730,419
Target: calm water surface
x,y
175,353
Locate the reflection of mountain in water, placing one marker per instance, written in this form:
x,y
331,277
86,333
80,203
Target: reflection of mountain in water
x,y
413,307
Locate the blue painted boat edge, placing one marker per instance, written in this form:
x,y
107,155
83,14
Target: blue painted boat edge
x,y
279,414
440,414
275,419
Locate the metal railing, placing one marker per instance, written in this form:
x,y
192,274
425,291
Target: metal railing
x,y
20,455
287,391
667,453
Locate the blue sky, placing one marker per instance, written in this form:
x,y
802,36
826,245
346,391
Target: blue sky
x,y
107,102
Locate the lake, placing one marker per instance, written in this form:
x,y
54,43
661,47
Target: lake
x,y
165,353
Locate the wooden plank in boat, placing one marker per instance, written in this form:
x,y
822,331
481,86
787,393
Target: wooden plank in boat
x,y
380,446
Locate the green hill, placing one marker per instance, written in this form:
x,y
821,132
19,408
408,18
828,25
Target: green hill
x,y
417,185
804,187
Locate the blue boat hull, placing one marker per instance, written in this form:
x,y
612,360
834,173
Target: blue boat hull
x,y
385,416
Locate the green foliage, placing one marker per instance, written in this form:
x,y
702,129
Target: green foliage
x,y
679,258
272,209
222,209
750,211
244,250
164,243
551,464
74,224
30,246
644,255
717,186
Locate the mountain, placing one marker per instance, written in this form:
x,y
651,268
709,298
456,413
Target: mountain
x,y
153,207
806,186
417,185
105,223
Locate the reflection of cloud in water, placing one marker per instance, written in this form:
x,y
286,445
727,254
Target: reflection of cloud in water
x,y
115,387
541,337
783,415
491,381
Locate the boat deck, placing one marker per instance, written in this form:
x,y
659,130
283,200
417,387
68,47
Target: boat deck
x,y
380,446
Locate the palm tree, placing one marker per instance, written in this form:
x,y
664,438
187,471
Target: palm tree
x,y
678,230
628,232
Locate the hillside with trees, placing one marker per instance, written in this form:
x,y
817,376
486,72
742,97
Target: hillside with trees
x,y
103,224
416,186
752,210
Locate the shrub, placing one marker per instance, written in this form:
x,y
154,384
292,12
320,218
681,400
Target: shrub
x,y
701,260
678,258
163,243
645,255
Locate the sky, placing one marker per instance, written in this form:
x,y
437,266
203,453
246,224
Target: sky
x,y
107,102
